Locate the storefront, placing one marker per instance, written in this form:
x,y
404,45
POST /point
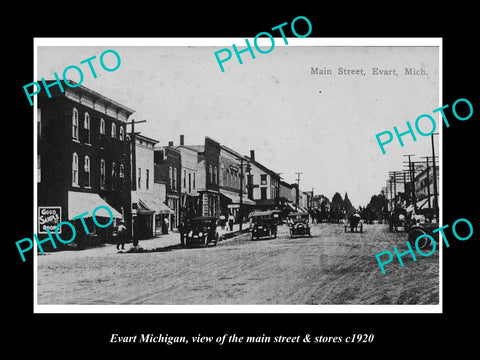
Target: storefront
x,y
230,204
80,203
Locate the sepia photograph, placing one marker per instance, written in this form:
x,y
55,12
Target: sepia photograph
x,y
307,179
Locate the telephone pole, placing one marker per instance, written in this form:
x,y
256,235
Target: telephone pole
x,y
298,189
412,181
134,161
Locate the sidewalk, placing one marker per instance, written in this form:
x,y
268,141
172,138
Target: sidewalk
x,y
173,238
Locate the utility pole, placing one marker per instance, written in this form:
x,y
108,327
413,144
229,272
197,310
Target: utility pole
x,y
435,191
298,189
428,182
240,209
134,160
412,181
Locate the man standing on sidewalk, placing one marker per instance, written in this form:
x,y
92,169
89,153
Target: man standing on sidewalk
x,y
121,235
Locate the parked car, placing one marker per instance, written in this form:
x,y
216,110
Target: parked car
x,y
201,230
298,223
263,223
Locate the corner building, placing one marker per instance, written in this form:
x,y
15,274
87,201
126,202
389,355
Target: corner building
x,y
83,160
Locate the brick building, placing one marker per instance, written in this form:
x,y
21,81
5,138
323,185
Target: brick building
x,y
83,158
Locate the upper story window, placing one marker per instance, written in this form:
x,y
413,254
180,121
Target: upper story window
x,y
75,124
114,175
170,176
263,179
86,169
139,178
75,169
122,133
210,174
102,126
86,125
147,179
39,123
193,181
102,174
114,130
174,179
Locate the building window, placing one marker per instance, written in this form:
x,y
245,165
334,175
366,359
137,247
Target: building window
x,y
263,193
102,127
215,175
139,178
170,177
263,179
86,169
189,182
174,179
121,174
75,169
86,125
193,181
39,168
114,175
122,133
210,174
102,174
39,123
75,124
147,178
114,130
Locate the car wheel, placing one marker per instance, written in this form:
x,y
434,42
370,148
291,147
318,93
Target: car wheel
x,y
205,241
414,234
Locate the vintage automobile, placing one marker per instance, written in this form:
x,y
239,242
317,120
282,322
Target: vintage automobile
x,y
354,223
263,224
298,223
420,229
201,230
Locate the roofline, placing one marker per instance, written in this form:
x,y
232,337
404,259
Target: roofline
x,y
80,87
146,138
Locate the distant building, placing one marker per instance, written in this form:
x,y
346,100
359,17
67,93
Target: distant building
x,y
263,184
167,169
148,208
189,196
233,184
83,158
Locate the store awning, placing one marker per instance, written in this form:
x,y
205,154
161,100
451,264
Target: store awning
x,y
142,208
235,198
81,202
148,203
156,205
265,202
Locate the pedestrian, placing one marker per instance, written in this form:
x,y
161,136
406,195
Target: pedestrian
x,y
231,219
121,235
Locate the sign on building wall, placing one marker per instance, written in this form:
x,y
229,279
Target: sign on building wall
x,y
48,218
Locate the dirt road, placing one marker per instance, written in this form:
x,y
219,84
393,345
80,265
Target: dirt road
x,y
331,267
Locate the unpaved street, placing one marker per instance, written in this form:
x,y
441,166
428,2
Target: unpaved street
x,y
331,267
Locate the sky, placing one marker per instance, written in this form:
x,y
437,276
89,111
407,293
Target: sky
x,y
323,126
